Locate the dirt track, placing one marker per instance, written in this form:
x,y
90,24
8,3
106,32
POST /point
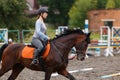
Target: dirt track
x,y
101,66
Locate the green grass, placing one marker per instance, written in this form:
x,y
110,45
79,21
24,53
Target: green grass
x,y
95,36
51,31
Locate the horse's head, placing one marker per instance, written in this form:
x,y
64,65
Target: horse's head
x,y
73,38
81,45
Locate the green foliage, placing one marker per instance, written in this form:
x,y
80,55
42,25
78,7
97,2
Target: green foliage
x,y
58,11
94,4
78,12
44,2
12,14
50,30
95,36
117,2
110,4
101,4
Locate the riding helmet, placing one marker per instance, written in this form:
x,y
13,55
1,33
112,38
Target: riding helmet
x,y
42,10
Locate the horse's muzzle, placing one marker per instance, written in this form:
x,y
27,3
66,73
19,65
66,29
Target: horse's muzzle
x,y
81,58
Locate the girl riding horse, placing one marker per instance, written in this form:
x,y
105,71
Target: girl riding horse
x,y
55,61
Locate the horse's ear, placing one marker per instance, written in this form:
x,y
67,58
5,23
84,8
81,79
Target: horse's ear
x,y
88,35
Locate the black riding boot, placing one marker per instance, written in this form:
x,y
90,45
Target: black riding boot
x,y
35,60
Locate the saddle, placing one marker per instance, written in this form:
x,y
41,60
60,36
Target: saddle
x,y
28,51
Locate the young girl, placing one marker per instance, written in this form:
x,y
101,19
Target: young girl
x,y
39,35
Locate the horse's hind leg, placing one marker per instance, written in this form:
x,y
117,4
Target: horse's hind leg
x,y
3,70
5,67
15,71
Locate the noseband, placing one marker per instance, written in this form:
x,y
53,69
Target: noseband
x,y
82,47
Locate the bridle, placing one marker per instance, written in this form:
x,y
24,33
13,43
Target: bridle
x,y
81,50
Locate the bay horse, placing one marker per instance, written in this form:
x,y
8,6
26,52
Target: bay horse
x,y
56,61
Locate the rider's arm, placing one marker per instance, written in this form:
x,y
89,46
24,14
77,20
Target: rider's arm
x,y
41,35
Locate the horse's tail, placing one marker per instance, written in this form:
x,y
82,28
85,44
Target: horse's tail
x,y
2,49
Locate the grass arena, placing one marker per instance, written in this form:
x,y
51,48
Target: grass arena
x,y
93,68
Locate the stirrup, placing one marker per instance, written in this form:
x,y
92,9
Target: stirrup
x,y
35,62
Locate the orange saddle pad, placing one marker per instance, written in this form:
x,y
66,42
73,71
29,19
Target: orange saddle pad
x,y
28,52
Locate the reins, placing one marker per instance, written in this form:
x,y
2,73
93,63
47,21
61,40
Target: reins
x,y
60,44
61,55
57,49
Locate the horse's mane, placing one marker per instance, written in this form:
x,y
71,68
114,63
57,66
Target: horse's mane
x,y
69,31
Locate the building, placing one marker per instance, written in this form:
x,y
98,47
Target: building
x,y
33,6
98,18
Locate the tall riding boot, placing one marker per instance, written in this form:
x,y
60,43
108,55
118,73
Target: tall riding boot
x,y
35,60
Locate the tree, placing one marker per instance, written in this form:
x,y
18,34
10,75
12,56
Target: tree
x,y
12,14
117,2
110,4
101,4
58,11
78,12
44,2
94,4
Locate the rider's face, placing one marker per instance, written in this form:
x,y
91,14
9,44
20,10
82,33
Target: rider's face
x,y
45,14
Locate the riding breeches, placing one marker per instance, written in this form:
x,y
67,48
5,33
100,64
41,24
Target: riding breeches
x,y
38,47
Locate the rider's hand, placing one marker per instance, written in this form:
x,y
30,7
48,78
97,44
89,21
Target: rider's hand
x,y
48,38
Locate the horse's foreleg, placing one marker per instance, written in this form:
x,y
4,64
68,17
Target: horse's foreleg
x,y
66,74
48,74
15,71
71,77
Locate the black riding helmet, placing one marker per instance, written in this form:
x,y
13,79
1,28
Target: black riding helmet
x,y
42,10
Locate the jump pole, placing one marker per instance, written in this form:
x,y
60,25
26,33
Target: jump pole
x,y
86,26
74,71
110,75
108,50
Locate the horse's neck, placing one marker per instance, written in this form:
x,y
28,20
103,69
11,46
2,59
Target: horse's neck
x,y
67,42
64,45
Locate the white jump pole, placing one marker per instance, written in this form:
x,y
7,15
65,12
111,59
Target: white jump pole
x,y
110,75
74,71
86,26
86,30
109,50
